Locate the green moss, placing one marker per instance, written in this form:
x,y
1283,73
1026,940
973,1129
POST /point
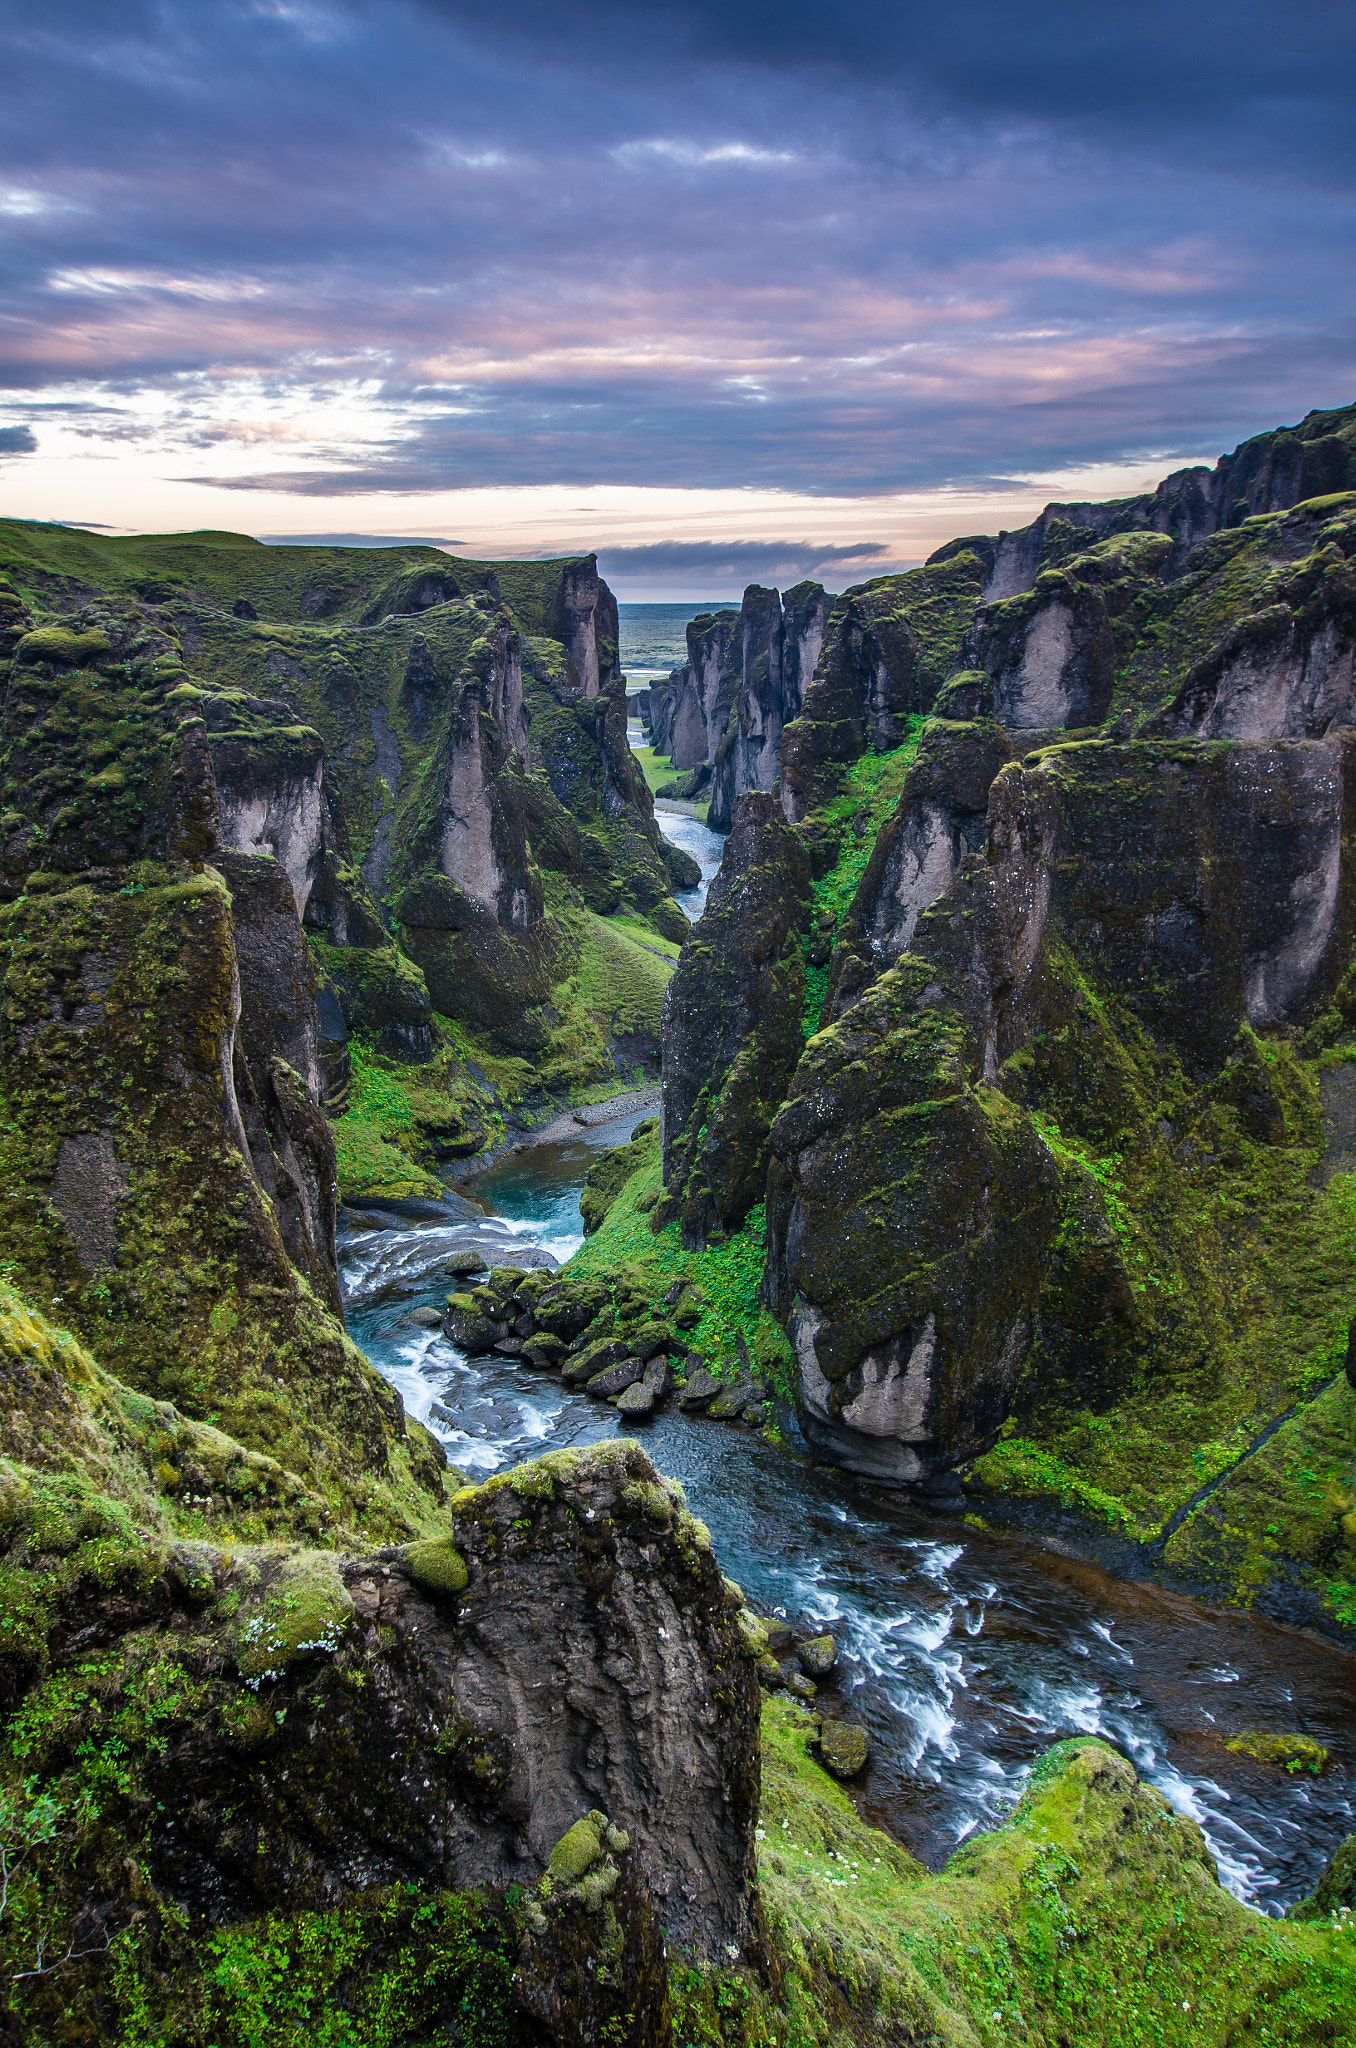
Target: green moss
x,y
1093,1914
438,1566
62,647
579,1848
1291,1752
394,1967
638,1264
303,1613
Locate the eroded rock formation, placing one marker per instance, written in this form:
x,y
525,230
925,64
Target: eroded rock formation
x,y
732,1023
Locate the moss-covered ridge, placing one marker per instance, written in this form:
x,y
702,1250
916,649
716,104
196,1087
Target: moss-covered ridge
x,y
357,703
1093,1914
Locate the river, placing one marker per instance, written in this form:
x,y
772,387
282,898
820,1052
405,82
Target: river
x,y
965,1652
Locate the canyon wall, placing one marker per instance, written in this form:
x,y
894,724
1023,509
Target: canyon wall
x,y
1077,809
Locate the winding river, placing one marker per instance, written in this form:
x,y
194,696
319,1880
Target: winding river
x,y
965,1652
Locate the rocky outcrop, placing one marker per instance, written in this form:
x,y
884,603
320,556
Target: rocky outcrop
x,y
1270,473
1285,670
913,1207
942,817
270,796
1051,656
779,645
888,647
277,1067
733,1024
745,678
690,712
171,1172
344,1732
586,623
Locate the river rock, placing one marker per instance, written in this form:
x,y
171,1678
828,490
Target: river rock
x,y
469,1260
844,1748
412,1696
469,1328
425,1318
566,1308
702,1386
614,1379
579,1369
733,1401
649,1392
544,1351
818,1656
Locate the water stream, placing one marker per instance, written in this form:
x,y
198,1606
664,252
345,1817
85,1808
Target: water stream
x,y
965,1652
678,825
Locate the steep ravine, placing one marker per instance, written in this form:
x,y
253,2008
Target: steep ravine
x,y
1005,1184
965,1653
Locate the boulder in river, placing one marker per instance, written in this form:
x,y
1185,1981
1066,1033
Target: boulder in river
x,y
465,1259
467,1326
649,1392
702,1386
614,1379
735,1399
818,1656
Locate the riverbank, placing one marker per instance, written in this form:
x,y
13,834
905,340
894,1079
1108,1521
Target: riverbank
x,y
965,1651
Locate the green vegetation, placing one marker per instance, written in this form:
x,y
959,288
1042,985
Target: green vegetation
x,y
1291,1752
1092,1915
1233,1252
869,791
392,1968
638,1265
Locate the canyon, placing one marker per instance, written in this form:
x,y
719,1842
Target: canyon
x,y
1007,1124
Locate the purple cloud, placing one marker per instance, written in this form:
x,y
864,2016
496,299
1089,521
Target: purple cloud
x,y
827,250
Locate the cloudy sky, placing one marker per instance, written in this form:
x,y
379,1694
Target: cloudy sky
x,y
728,291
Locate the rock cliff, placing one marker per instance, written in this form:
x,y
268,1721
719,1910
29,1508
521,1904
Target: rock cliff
x,y
434,755
732,1024
386,1735
1077,963
723,713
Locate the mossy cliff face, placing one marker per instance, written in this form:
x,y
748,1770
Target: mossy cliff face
x,y
172,1176
284,1734
941,817
889,645
911,1209
732,1025
1064,1170
1093,1915
1270,473
259,1789
1086,987
1250,638
722,714
434,751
